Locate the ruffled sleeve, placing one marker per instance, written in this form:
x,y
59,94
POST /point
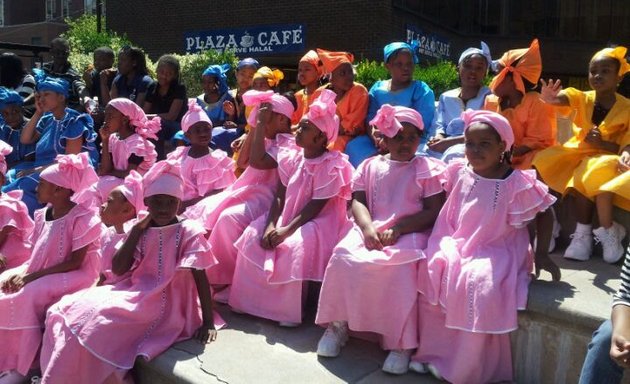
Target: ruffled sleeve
x,y
79,126
358,177
529,196
215,172
87,228
195,250
332,176
14,213
284,142
178,153
288,164
452,172
141,147
430,175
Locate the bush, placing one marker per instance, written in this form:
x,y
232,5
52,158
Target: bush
x,y
84,39
193,64
440,77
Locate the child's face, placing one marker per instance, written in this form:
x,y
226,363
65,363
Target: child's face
x,y
472,71
342,77
309,136
162,208
307,73
404,145
245,76
125,64
166,74
400,67
114,119
506,87
116,210
260,84
484,147
603,74
199,134
102,61
12,115
51,100
278,121
210,85
45,191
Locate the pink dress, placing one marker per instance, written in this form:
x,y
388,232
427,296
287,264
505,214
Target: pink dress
x,y
14,213
107,327
110,243
376,290
121,150
268,283
204,174
478,272
22,313
227,214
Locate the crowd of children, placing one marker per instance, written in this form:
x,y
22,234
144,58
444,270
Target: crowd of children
x,y
416,218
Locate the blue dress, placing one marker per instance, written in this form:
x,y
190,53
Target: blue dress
x,y
418,96
52,142
12,137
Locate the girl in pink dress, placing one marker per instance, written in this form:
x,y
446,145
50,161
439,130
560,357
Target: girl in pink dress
x,y
226,215
122,206
125,139
64,260
205,171
95,335
370,283
16,225
479,259
280,251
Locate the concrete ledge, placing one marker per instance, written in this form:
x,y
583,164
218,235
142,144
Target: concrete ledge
x,y
549,346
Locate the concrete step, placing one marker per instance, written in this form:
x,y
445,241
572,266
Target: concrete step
x,y
549,346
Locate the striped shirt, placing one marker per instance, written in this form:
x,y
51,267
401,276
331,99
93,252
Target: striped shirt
x,y
622,297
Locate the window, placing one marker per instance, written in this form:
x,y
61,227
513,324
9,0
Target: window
x,y
65,8
50,9
89,6
1,13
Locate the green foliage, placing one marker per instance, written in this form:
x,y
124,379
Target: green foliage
x,y
193,64
440,77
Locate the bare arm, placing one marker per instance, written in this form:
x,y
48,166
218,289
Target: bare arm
x,y
363,219
550,93
124,257
207,331
258,156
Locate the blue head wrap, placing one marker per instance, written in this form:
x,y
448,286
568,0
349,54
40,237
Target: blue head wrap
x,y
9,97
248,61
47,83
218,71
483,51
398,45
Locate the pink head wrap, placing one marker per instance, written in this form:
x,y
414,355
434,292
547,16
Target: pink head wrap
x,y
137,118
5,149
323,113
194,115
164,178
73,172
280,104
493,119
132,190
389,119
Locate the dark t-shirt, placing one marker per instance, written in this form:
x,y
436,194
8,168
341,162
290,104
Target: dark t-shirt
x,y
74,80
162,104
130,90
95,90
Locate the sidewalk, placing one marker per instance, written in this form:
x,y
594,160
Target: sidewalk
x,y
253,350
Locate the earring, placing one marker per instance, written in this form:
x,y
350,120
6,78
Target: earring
x,y
502,158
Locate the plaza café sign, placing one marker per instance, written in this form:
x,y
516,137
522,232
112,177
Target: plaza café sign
x,y
269,39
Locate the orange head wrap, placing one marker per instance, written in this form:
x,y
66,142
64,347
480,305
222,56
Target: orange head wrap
x,y
529,66
312,58
332,60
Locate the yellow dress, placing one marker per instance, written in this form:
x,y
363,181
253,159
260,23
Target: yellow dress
x,y
571,165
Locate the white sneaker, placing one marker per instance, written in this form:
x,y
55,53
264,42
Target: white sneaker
x,y
611,241
11,377
397,362
434,371
580,248
334,338
418,367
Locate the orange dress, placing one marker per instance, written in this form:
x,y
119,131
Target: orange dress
x,y
533,123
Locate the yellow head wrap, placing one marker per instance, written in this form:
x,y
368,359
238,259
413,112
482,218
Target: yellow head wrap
x,y
617,53
273,76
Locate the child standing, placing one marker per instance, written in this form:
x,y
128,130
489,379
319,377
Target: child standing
x,y
583,164
470,269
205,171
15,223
64,260
123,204
310,71
370,283
533,121
352,98
472,68
126,146
400,59
157,306
279,251
11,128
226,215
